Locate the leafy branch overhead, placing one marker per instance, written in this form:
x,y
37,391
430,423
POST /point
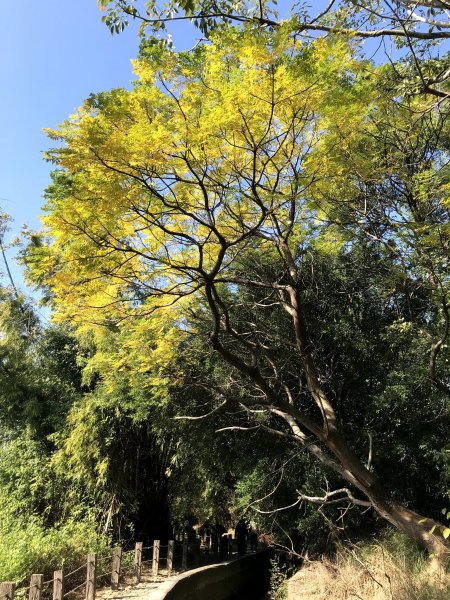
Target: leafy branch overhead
x,y
417,29
403,19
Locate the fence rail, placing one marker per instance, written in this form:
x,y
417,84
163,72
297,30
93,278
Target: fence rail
x,y
89,573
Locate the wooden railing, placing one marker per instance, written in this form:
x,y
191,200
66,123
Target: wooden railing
x,y
98,571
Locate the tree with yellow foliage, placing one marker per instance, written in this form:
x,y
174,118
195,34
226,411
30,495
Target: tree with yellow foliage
x,y
168,199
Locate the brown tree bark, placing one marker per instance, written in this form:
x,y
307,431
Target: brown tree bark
x,y
340,457
406,520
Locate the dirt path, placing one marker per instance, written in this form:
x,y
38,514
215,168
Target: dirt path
x,y
130,591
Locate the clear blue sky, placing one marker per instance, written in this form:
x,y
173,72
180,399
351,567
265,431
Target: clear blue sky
x,y
53,54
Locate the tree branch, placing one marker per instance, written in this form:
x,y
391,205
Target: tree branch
x,y
206,415
328,498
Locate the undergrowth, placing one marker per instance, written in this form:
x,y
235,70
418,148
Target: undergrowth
x,y
394,568
27,547
278,581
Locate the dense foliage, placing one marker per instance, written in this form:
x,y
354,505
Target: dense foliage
x,y
246,257
39,383
278,196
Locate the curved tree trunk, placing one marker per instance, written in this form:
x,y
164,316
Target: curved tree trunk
x,y
409,522
343,461
341,457
323,438
406,520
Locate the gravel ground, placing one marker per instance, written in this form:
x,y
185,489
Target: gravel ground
x,y
129,591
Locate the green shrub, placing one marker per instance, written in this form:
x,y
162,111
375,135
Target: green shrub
x,y
278,581
27,547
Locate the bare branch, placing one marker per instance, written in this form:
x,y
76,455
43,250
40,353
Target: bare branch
x,y
369,458
211,412
276,510
328,498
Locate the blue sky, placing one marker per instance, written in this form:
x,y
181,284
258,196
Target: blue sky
x,y
53,54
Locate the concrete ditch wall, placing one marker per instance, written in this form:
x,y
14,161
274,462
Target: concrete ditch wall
x,y
244,578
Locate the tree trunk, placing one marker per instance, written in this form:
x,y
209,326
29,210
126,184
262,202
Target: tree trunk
x,y
406,520
341,459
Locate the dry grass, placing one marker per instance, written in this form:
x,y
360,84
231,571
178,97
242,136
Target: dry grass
x,y
391,570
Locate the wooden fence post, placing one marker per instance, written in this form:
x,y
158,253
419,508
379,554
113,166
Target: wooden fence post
x,y
138,562
58,585
115,569
90,576
184,555
35,590
156,546
7,589
170,552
